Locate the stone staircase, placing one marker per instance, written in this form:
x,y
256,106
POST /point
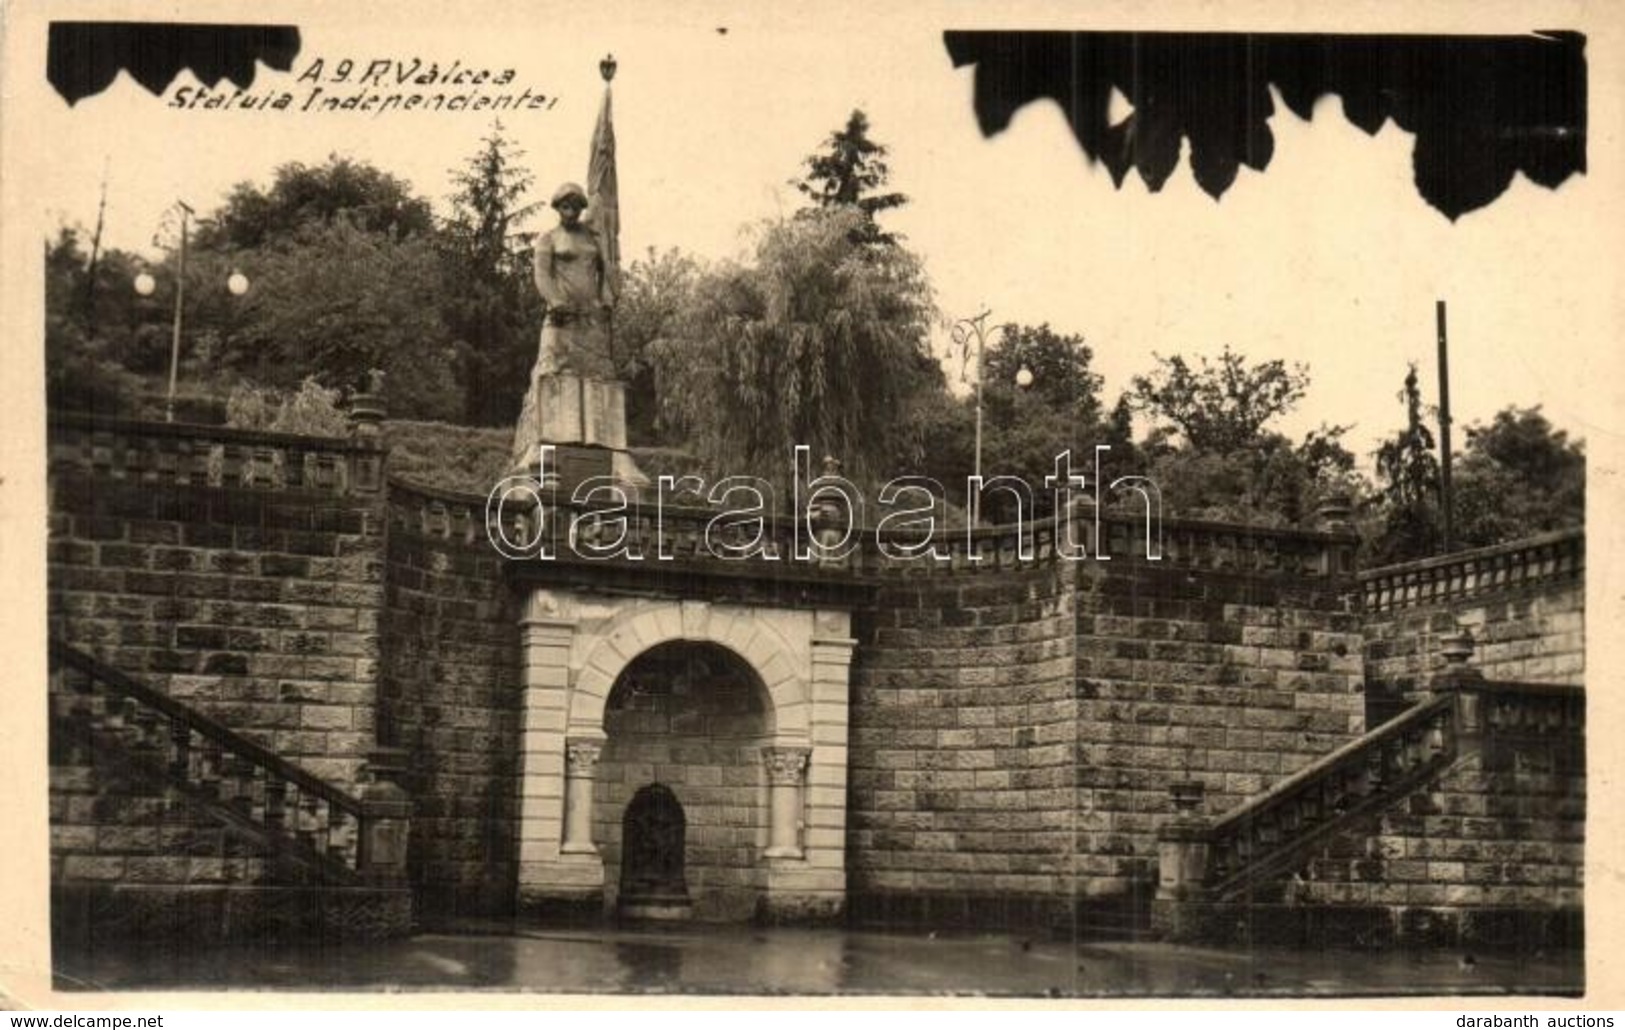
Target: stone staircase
x,y
1212,872
165,820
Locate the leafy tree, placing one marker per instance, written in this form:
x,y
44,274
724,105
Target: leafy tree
x,y
275,235
312,410
819,341
1024,428
490,305
1518,475
336,301
654,292
299,196
1212,454
1061,366
90,333
851,172
1271,482
1220,406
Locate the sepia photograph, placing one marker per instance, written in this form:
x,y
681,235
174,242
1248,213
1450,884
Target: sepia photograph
x,y
1046,502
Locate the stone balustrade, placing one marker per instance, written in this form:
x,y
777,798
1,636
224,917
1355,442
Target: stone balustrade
x,y
1209,866
1454,577
222,457
687,534
309,821
165,454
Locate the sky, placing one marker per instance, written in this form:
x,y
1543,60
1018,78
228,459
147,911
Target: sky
x,y
1331,258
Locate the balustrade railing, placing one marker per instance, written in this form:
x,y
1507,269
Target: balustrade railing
x,y
1281,829
689,533
163,454
305,819
1271,833
1455,577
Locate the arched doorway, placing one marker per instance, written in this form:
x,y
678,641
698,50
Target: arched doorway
x,y
680,795
739,708
653,843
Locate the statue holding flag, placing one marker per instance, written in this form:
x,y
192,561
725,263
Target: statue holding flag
x,y
574,396
573,276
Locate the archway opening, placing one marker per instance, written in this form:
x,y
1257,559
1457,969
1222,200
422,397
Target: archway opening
x,y
653,845
684,725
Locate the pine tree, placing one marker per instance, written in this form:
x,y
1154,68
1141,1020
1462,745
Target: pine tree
x,y
492,309
1409,473
850,173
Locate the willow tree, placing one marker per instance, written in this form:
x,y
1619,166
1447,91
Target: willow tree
x,y
819,340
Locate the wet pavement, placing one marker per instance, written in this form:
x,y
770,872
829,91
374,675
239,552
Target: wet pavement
x,y
735,960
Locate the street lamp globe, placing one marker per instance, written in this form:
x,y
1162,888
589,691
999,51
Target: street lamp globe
x,y
237,283
1024,377
145,284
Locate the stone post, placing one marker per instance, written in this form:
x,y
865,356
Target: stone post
x,y
367,412
1182,857
829,526
1334,517
786,771
1467,684
387,819
580,759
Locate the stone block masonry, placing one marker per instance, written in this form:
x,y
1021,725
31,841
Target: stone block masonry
x,y
449,694
257,603
1231,681
1015,734
1523,603
996,745
962,737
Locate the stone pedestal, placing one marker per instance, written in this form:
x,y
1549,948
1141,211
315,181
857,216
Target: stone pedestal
x,y
585,420
1182,855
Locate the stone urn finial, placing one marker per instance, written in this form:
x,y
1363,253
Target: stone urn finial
x,y
1335,513
606,67
1457,648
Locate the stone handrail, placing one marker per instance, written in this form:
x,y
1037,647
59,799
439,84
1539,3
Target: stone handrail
x,y
166,454
313,822
217,456
1455,577
1278,831
1183,544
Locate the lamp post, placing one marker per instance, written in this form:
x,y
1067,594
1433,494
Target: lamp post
x,y
145,284
962,332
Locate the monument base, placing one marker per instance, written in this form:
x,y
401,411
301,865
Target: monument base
x,y
585,422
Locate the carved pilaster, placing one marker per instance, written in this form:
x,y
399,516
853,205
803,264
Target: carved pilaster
x,y
580,759
786,765
786,772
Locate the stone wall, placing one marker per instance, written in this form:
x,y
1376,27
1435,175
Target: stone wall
x,y
1487,850
241,573
450,693
1524,604
963,804
108,829
1004,752
1015,730
1481,846
1234,681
